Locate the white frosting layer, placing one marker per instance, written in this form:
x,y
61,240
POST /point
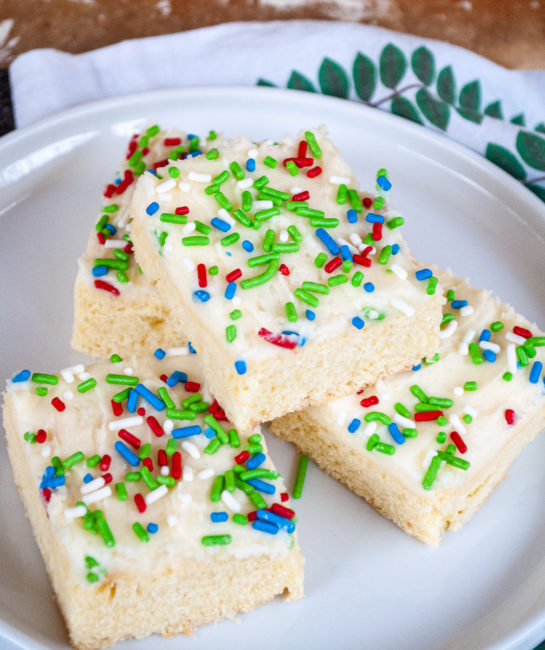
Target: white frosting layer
x,y
182,512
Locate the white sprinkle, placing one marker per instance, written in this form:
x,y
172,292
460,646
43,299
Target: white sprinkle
x,y
399,271
342,242
236,301
488,345
382,390
223,214
471,411
68,395
339,180
67,375
93,485
188,474
206,473
165,470
191,449
264,204
230,501
428,458
172,520
370,429
184,497
199,178
164,198
283,236
189,264
189,228
403,421
515,338
132,421
46,451
98,495
77,511
341,417
129,371
156,494
463,349
296,190
115,243
468,336
467,310
168,426
252,153
372,314
177,352
184,186
402,306
457,424
84,375
511,358
166,186
458,390
355,239
245,183
449,330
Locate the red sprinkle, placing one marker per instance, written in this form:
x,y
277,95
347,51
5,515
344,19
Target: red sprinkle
x,y
510,415
100,284
182,210
128,248
361,260
369,401
141,411
522,331
233,275
155,426
107,478
161,163
315,171
367,202
288,513
145,151
41,436
139,502
147,462
333,264
300,162
302,196
101,238
192,386
172,142
217,411
176,472
284,496
127,436
46,493
425,416
201,275
58,404
252,516
284,269
377,231
457,440
302,150
277,339
162,457
133,145
164,378
117,408
109,191
105,463
242,457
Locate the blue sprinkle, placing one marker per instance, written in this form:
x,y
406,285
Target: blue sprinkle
x,y
458,304
423,274
191,348
218,517
152,528
301,340
159,353
262,486
485,335
21,376
535,372
489,355
240,367
374,218
384,183
229,254
328,241
88,477
186,432
369,287
150,397
195,153
127,454
230,290
209,433
111,228
354,425
176,377
357,322
132,402
345,252
415,368
276,520
351,215
265,526
49,473
220,224
201,295
152,208
56,482
152,171
247,246
250,165
99,270
191,136
256,461
117,181
310,314
395,249
396,433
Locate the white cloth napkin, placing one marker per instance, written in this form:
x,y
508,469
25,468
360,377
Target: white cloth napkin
x,y
497,112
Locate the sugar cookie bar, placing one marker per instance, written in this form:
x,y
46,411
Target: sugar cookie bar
x,y
293,286
153,514
115,308
426,447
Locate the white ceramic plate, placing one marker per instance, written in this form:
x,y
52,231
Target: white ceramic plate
x,y
368,585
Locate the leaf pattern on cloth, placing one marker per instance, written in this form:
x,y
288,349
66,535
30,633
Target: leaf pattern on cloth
x,y
430,97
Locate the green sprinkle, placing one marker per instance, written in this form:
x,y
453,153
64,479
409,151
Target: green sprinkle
x,y
230,481
342,193
121,491
315,287
419,393
194,143
211,421
255,438
111,263
242,218
258,280
140,532
125,380
347,266
254,449
378,203
57,464
357,279
294,205
92,577
74,459
522,355
335,280
453,460
177,414
122,277
230,239
30,437
431,474
507,376
174,172
235,314
372,442
396,222
310,212
41,391
44,378
170,449
496,326
262,215
165,397
402,410
313,144
211,189
320,260
321,222
113,207
213,270
217,488
385,254
450,295
104,219
432,286
385,448
245,487
152,130
216,540
202,228
93,461
441,437
410,433
475,353
169,217
115,358
294,233
221,178
467,418
270,162
260,183
446,319
355,200
230,333
145,451
234,440
443,402
379,416
239,519
441,420
423,407
195,240
530,349
212,135
258,501
292,168
104,530
537,341
306,297
291,312
90,562
267,241
212,447
470,385
87,385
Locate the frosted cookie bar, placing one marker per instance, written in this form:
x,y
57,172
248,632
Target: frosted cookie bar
x,y
426,447
294,287
115,307
152,513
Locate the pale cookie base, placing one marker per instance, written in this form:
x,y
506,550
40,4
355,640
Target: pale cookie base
x,y
106,324
425,517
309,375
174,598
